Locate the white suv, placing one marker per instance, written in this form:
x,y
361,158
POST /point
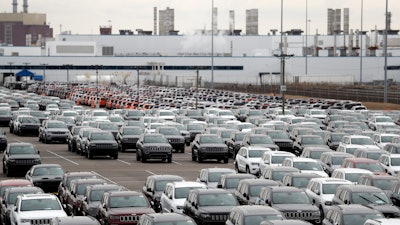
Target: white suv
x,y
175,194
36,209
305,165
274,158
248,159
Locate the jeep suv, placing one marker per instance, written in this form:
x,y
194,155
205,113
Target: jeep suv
x,y
248,190
36,209
207,206
53,130
153,146
209,146
371,197
350,214
245,214
19,157
166,218
174,137
101,143
293,202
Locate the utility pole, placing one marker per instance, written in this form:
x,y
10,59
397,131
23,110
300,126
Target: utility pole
x,y
44,71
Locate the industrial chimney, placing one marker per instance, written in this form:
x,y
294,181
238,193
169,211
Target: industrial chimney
x,y
15,4
25,6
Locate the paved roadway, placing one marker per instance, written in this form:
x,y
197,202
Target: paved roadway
x,y
125,171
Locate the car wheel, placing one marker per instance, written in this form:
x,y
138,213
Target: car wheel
x,y
4,169
122,149
137,156
169,159
193,156
182,150
115,156
82,153
8,173
144,159
226,160
19,132
69,148
247,170
46,141
200,159
89,154
237,168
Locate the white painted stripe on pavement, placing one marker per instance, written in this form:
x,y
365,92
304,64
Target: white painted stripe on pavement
x,y
103,177
124,162
148,171
63,157
177,163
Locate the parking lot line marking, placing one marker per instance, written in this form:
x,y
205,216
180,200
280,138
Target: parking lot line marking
x,y
63,157
148,171
124,162
103,177
177,163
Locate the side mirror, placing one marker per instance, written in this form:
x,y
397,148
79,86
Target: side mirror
x,y
103,205
219,186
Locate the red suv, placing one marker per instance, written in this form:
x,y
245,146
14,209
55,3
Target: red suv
x,y
364,163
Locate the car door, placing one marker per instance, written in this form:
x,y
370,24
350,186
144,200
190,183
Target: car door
x,y
240,159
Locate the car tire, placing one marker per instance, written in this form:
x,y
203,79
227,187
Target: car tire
x,y
169,160
226,160
144,159
138,157
89,154
115,156
194,158
237,168
69,148
247,170
8,173
200,159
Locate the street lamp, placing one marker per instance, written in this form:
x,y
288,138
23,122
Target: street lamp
x,y
67,66
385,50
11,63
307,20
138,88
212,44
44,71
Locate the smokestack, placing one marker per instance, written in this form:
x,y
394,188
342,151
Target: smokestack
x,y
25,6
231,21
15,4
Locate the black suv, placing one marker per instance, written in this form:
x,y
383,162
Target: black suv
x,y
101,143
128,136
174,137
248,190
350,214
166,218
246,214
209,146
293,202
19,157
369,196
208,206
153,146
26,124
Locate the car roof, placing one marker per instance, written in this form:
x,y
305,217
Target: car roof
x,y
165,177
360,188
328,180
161,217
353,170
78,220
356,208
256,209
179,184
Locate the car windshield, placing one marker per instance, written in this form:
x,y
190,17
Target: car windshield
x,y
384,184
278,159
358,219
290,198
314,140
97,195
160,185
301,182
378,198
169,131
40,204
14,195
261,140
128,201
108,126
373,167
217,200
195,127
186,222
337,137
44,171
353,177
102,136
328,189
307,166
257,219
29,120
278,175
133,131
255,190
100,113
57,125
387,139
278,135
214,176
232,183
211,139
67,120
155,139
337,160
239,136
5,113
116,119
256,153
315,154
21,150
362,141
183,192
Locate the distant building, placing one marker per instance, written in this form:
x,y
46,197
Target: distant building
x,y
231,21
335,21
252,22
24,29
166,21
215,20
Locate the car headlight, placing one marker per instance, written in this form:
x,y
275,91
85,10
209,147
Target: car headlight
x,y
92,144
25,220
205,216
316,213
179,207
11,160
254,164
112,217
328,203
37,161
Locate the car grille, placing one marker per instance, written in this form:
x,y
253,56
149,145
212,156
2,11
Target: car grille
x,y
130,218
176,140
284,144
25,161
58,132
298,215
103,145
40,221
216,149
155,148
131,140
219,217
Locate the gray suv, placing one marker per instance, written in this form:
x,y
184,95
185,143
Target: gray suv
x,y
19,157
101,143
153,146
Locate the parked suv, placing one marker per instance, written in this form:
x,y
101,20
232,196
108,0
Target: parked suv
x,y
293,202
101,143
207,206
248,190
248,159
165,218
36,209
53,130
209,146
175,194
350,214
245,214
19,157
371,197
153,146
174,137
26,124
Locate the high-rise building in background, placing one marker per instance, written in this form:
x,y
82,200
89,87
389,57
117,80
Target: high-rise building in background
x,y
346,21
252,22
155,21
166,21
335,21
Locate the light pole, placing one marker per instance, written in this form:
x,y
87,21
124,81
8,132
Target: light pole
x,y
44,71
67,66
386,40
361,42
197,88
212,44
307,36
25,67
11,63
138,88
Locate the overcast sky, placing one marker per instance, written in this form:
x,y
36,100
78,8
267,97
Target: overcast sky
x,y
85,16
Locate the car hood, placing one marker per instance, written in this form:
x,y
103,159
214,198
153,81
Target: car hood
x,y
42,214
131,136
157,145
58,129
130,210
25,156
215,209
295,207
212,145
384,208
